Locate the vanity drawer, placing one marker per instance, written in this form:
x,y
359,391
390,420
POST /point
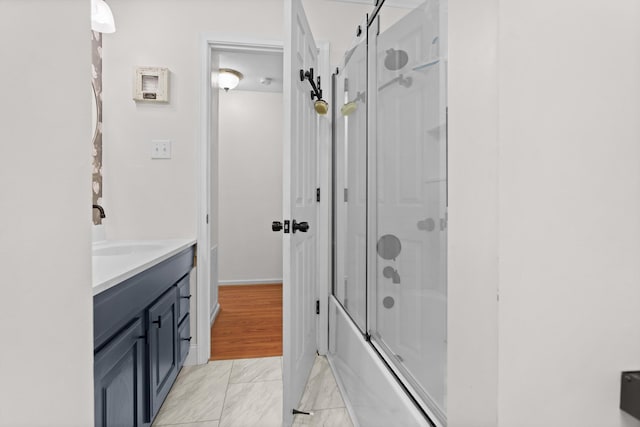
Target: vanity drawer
x,y
184,334
184,297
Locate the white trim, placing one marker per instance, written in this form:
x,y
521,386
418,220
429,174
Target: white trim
x,y
214,314
249,282
208,42
324,208
203,336
192,356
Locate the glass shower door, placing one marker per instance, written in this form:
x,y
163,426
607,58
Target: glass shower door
x,y
350,184
408,196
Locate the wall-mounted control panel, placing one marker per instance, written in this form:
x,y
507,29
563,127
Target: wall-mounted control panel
x,y
151,84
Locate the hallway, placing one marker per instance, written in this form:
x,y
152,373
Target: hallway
x,y
249,323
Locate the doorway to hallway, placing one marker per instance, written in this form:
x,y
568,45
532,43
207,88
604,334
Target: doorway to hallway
x,y
249,128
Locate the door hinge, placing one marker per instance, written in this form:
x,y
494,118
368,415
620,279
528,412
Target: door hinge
x,y
195,260
317,306
317,194
346,195
207,218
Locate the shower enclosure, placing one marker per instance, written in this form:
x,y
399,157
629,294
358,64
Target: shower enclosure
x,y
389,305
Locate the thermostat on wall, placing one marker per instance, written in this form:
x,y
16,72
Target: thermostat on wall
x,y
151,84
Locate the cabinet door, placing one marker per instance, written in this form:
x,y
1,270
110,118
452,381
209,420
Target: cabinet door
x,y
185,297
118,379
163,347
184,332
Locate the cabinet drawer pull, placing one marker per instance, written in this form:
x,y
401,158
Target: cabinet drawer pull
x,y
186,339
187,297
158,322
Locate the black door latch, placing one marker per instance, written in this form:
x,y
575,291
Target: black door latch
x,y
278,226
300,226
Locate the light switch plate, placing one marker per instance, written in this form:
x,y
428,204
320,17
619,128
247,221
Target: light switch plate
x,y
161,149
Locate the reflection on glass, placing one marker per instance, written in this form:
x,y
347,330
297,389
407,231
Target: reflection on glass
x,y
408,307
391,231
351,185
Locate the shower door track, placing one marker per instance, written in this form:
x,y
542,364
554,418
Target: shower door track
x,y
409,389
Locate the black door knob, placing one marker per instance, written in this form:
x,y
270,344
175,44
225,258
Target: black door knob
x,y
300,226
276,226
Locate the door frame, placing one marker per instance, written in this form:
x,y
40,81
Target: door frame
x,y
200,350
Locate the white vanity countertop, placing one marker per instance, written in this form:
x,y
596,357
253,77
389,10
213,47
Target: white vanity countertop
x,y
115,261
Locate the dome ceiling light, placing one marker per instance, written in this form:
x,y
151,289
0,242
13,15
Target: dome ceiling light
x,y
228,78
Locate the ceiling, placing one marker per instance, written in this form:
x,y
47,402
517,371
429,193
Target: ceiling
x,y
254,66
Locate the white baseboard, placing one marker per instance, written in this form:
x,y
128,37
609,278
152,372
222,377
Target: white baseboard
x,y
249,282
214,314
192,358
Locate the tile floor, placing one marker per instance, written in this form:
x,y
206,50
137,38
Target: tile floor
x,y
248,393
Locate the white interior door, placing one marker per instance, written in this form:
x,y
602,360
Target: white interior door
x,y
300,147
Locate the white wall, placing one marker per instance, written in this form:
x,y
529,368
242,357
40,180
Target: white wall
x,y
563,170
569,210
46,362
147,198
337,23
250,173
472,353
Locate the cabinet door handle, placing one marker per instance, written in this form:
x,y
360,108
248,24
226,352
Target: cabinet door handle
x,y
187,297
158,322
186,339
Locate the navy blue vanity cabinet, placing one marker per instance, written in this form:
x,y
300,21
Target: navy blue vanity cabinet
x,y
184,332
184,324
184,291
119,379
163,346
138,326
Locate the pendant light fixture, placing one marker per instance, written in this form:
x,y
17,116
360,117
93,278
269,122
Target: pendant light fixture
x,y
101,17
228,78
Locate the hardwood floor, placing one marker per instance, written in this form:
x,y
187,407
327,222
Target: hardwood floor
x,y
249,323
